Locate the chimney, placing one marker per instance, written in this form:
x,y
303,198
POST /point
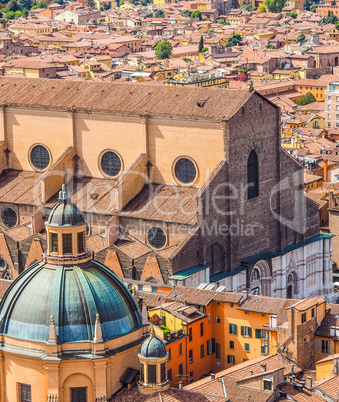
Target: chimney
x,y
263,368
325,171
244,296
309,382
181,385
212,376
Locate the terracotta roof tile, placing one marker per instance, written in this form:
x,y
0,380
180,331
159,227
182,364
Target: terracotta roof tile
x,y
4,285
220,103
264,304
330,387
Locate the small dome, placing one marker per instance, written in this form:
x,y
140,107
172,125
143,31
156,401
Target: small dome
x,y
74,295
153,347
64,212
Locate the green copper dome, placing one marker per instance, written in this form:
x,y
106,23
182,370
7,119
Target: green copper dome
x,y
153,347
73,295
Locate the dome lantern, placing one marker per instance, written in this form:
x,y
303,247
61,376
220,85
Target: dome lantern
x,y
153,358
66,233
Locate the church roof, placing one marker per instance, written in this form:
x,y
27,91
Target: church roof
x,y
129,99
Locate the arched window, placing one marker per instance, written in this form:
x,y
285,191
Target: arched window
x,y
316,124
252,175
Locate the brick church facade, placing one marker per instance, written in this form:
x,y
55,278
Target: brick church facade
x,y
176,185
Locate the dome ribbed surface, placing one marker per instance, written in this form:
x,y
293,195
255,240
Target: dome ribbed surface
x,y
73,295
153,347
65,214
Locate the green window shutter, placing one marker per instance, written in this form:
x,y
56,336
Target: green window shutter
x,y
242,330
258,333
235,329
230,328
249,331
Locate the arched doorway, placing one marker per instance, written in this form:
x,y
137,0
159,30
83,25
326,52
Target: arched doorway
x,y
255,281
291,286
260,279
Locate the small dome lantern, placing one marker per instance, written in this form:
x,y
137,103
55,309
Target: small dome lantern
x,y
153,358
66,233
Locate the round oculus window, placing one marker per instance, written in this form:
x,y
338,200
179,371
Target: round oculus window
x,y
7,276
110,163
185,170
156,237
40,157
2,263
9,217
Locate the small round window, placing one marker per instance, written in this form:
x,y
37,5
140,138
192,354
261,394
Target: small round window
x,y
40,157
111,163
9,217
7,276
185,170
156,237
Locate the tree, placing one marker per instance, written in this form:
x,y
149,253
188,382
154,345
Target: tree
x,y
313,7
270,46
186,13
12,6
223,22
24,12
10,15
187,60
25,4
330,19
234,40
292,14
159,14
301,38
91,3
196,14
246,7
275,6
210,32
41,4
201,44
262,8
163,50
305,100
